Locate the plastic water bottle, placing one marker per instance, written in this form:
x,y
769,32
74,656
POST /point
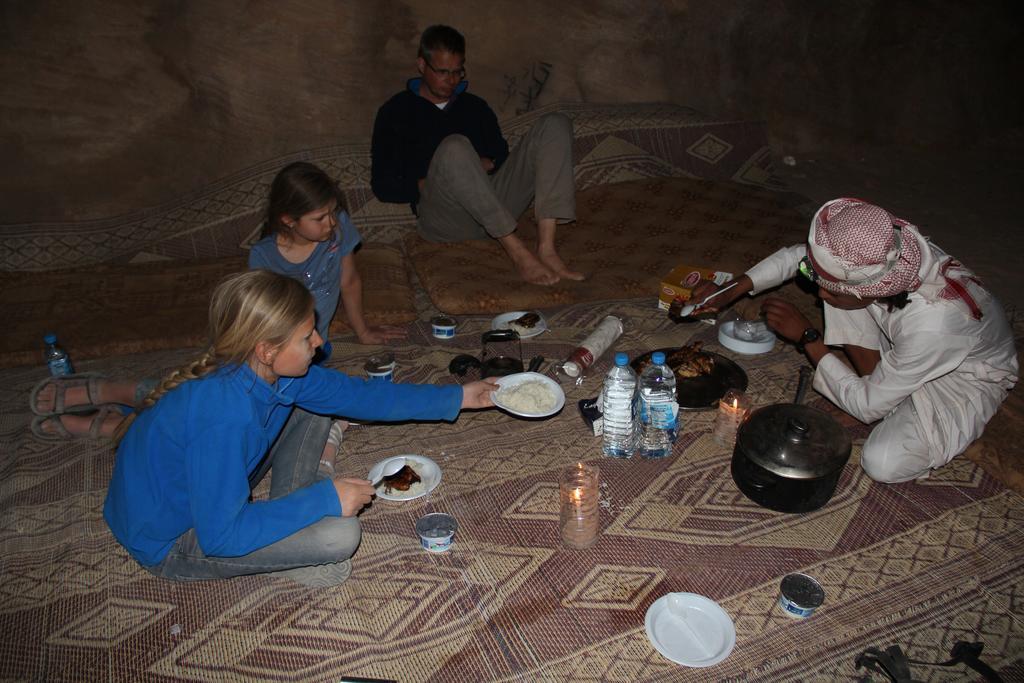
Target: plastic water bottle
x,y
659,412
56,357
618,406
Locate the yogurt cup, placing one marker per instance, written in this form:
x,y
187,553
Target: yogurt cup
x,y
442,326
436,531
381,367
800,595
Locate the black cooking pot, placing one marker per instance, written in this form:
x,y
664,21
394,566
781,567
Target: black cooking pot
x,y
788,457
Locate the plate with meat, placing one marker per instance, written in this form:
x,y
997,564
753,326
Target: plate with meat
x,y
526,323
417,478
702,377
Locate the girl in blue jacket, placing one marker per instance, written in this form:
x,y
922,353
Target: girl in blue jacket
x,y
179,499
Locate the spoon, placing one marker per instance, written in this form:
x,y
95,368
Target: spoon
x,y
679,612
388,468
688,309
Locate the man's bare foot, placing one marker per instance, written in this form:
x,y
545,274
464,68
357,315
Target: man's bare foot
x,y
535,272
551,259
529,266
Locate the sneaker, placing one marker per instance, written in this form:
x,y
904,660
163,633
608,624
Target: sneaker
x,y
318,575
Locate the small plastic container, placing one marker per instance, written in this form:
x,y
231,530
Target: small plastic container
x,y
800,595
442,326
381,367
436,531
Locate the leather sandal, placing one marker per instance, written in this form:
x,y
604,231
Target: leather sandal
x,y
59,432
90,380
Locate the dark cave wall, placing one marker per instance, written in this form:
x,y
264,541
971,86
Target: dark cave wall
x,y
111,107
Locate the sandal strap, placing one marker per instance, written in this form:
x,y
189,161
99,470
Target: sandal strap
x,y
60,386
99,418
60,432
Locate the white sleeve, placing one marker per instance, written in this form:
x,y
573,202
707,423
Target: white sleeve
x,y
914,360
777,268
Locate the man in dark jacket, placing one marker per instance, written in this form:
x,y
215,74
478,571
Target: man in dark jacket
x,y
440,148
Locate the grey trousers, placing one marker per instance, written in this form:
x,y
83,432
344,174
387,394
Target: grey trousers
x,y
459,201
294,459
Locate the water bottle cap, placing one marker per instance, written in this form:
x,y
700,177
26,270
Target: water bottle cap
x,y
621,359
49,338
658,358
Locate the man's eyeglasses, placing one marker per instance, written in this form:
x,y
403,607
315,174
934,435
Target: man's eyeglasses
x,y
807,270
459,73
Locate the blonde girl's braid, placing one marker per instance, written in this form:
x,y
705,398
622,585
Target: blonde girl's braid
x,y
245,308
195,368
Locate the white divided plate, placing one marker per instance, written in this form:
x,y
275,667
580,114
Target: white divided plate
x,y
428,470
521,377
763,342
501,322
695,631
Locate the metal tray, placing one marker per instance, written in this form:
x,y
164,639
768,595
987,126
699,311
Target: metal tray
x,y
703,393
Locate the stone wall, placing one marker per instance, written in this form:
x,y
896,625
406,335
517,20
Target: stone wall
x,y
110,107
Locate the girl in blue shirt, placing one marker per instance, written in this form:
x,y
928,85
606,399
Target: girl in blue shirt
x,y
179,498
309,237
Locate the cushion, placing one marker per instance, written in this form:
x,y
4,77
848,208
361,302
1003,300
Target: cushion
x,y
387,293
627,236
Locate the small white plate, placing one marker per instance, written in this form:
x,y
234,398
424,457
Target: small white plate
x,y
428,470
690,629
521,377
501,322
762,342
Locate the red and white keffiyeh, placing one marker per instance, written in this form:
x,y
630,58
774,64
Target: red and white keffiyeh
x,y
862,249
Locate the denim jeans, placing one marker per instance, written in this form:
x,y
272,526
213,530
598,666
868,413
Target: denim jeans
x,y
293,461
459,201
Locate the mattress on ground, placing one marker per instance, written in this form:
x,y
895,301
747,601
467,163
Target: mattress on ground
x,y
627,236
132,308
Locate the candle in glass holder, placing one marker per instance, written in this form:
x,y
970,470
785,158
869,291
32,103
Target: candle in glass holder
x,y
579,495
733,409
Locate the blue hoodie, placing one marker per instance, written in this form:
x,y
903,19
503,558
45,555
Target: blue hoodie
x,y
185,463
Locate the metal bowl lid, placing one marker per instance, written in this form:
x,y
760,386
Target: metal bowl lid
x,y
794,441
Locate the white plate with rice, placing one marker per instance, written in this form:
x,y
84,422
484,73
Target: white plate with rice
x,y
505,320
430,475
529,394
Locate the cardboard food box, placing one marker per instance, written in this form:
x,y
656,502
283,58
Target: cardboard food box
x,y
682,280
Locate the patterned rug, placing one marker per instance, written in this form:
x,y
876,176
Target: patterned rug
x,y
922,564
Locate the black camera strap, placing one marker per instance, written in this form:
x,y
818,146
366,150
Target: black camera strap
x,y
894,664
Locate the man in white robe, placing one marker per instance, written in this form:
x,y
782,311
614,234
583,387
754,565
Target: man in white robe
x,y
932,351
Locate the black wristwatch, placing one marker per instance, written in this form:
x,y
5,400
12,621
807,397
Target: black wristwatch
x,y
809,335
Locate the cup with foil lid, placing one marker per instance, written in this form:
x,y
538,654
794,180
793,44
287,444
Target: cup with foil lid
x,y
381,366
436,531
442,326
800,595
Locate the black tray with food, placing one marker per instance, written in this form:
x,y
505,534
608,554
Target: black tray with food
x,y
702,377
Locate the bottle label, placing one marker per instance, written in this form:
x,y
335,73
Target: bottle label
x,y
60,366
660,415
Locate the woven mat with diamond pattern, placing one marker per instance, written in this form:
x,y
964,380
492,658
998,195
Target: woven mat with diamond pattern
x,y
921,564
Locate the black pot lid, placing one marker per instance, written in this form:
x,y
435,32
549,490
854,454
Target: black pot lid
x,y
794,441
